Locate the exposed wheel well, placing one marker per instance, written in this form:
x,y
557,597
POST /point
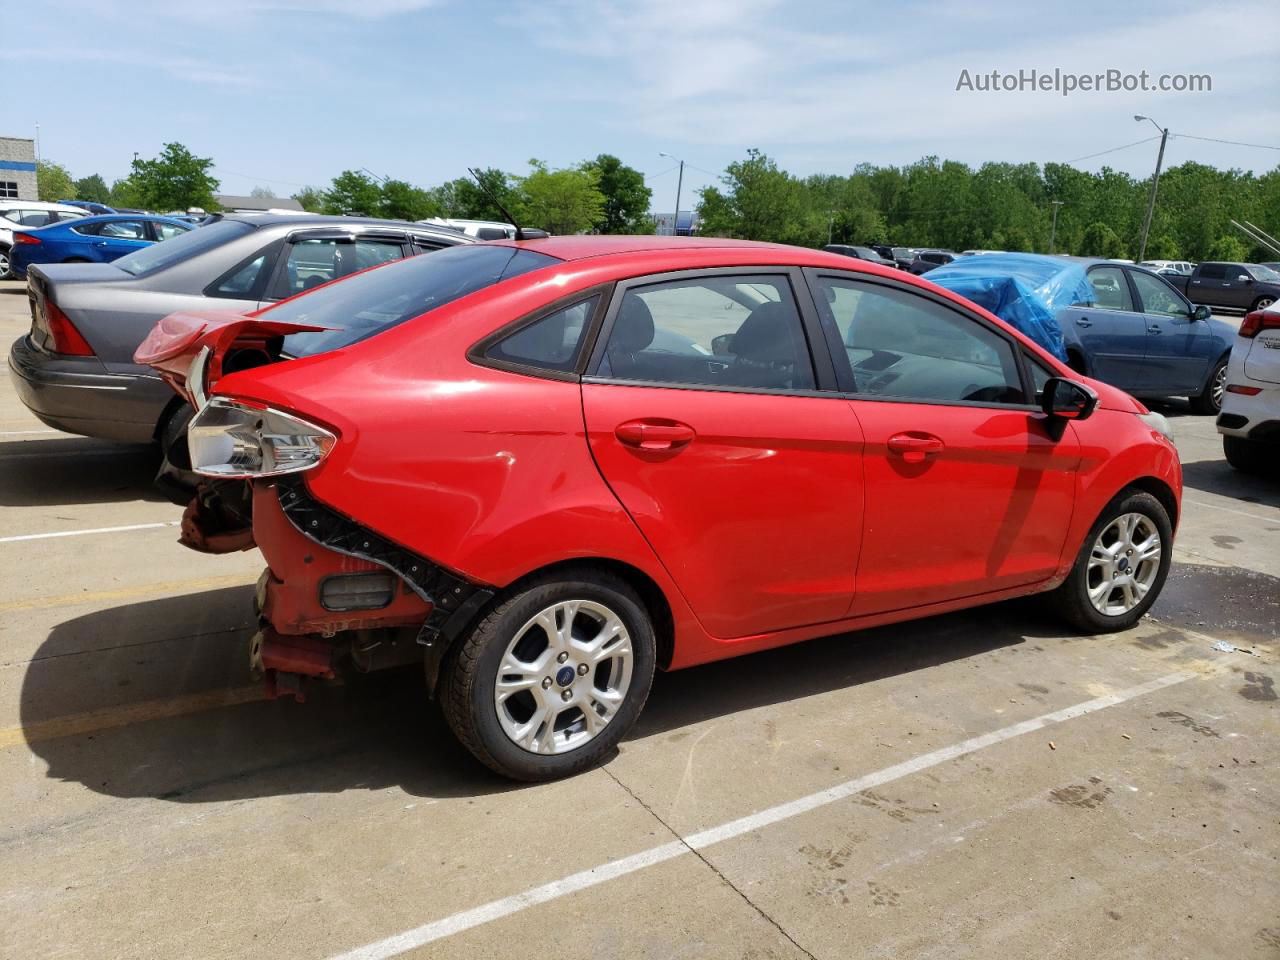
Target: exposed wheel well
x,y
1162,492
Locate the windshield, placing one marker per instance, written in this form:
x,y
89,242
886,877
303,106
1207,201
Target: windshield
x,y
167,253
1264,273
379,299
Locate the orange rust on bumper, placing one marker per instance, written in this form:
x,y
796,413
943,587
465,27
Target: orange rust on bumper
x,y
297,566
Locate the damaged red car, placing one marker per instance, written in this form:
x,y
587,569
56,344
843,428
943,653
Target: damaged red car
x,y
546,468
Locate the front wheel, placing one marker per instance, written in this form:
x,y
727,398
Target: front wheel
x,y
4,262
550,680
1209,402
1121,567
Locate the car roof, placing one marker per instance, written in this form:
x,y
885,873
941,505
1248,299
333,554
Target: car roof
x,y
11,204
314,220
108,217
581,247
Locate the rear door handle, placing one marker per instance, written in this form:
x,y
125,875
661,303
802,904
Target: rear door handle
x,y
654,434
1083,322
915,447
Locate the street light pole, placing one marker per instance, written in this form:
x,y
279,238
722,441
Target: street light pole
x,y
1155,183
1053,231
675,217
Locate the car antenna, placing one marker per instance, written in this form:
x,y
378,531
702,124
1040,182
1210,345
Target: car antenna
x,y
520,234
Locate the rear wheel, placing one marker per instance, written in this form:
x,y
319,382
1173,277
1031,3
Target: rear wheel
x,y
1262,303
1251,456
1209,402
550,680
1121,567
4,261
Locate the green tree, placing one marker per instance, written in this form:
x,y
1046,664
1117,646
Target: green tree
x,y
403,201
53,182
310,199
353,192
1099,240
263,193
94,188
124,195
175,180
1226,248
759,202
560,201
626,197
464,199
1163,247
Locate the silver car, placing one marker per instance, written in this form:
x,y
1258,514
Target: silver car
x,y
75,369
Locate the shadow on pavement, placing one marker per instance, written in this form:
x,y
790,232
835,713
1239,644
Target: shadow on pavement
x,y
74,470
1218,476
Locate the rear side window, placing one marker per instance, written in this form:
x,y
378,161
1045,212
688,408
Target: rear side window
x,y
550,343
240,283
1110,289
372,302
1212,271
162,255
904,346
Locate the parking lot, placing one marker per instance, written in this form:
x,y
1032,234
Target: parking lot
x,y
974,785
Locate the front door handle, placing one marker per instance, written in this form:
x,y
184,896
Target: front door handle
x,y
1154,330
654,434
1083,322
915,447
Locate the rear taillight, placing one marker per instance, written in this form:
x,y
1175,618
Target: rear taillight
x,y
1259,320
66,338
25,238
233,439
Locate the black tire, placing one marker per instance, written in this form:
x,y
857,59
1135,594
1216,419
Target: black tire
x,y
470,671
175,478
4,262
1209,402
1071,600
1251,456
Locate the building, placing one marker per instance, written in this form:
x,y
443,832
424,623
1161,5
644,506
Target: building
x,y
233,204
687,227
18,169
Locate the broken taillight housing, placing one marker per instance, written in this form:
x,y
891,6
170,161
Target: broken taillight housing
x,y
232,439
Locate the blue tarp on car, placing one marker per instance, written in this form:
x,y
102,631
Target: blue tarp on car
x,y
1025,290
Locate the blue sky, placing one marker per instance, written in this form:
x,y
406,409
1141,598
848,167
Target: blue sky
x,y
289,92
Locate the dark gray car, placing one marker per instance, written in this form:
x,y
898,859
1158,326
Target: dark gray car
x,y
75,369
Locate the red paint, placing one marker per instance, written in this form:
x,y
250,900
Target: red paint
x,y
762,519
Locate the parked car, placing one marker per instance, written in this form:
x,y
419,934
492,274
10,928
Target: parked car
x,y
89,240
903,256
1119,323
1177,268
859,253
15,214
479,229
1250,417
75,369
926,260
1239,286
543,507
978,253
91,207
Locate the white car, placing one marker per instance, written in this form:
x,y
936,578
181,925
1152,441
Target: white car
x,y
1250,417
480,229
1179,268
29,213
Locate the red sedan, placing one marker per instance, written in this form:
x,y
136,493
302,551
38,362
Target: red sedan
x,y
549,467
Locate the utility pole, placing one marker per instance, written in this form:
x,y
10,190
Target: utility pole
x,y
1053,231
1155,183
675,218
831,219
37,143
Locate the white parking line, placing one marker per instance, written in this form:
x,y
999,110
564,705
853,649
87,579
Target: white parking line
x,y
82,533
1238,513
496,909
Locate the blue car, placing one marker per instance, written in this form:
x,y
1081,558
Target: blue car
x,y
1116,322
90,239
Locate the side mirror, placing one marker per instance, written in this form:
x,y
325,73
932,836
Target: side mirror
x,y
722,346
1201,312
1245,278
1065,399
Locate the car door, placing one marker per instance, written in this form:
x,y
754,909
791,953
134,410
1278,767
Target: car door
x,y
1178,346
1237,287
1110,330
1208,284
724,440
115,238
967,491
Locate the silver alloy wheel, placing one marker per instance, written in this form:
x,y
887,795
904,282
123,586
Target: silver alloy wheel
x,y
1123,564
4,264
1264,302
1218,387
563,677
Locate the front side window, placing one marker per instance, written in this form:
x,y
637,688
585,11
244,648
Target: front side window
x,y
1157,296
729,331
1110,291
902,345
549,343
